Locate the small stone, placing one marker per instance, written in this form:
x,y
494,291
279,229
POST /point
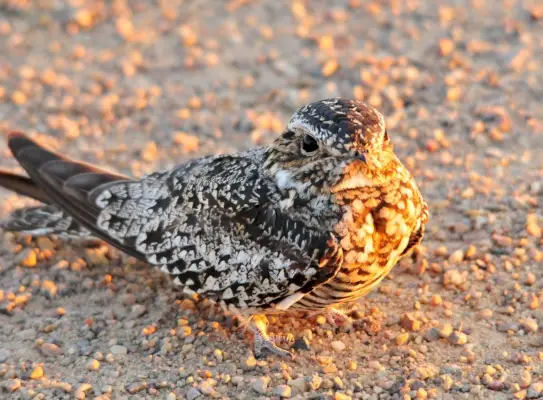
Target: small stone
x,y
446,331
341,396
338,383
5,354
138,310
529,325
29,258
535,391
458,338
422,394
260,384
193,394
136,387
402,338
51,350
49,289
93,365
81,390
300,384
27,334
118,350
36,373
283,391
485,314
432,335
302,343
314,382
456,257
376,365
250,362
12,385
338,345
206,388
351,365
407,321
447,383
184,331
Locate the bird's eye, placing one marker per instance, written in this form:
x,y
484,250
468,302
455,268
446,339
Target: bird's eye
x,y
309,145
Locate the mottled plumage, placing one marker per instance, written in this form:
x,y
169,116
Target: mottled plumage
x,y
315,219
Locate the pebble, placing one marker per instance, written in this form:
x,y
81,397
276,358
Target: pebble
x,y
446,331
136,387
535,391
300,384
138,310
80,393
302,343
5,354
529,325
485,314
37,373
283,391
206,387
402,338
341,396
409,322
29,258
12,385
432,334
193,393
49,289
458,338
51,350
260,384
27,334
250,362
338,345
93,365
118,350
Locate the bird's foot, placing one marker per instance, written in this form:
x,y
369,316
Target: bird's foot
x,y
263,341
333,316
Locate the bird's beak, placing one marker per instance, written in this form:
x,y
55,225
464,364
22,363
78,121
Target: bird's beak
x,y
361,157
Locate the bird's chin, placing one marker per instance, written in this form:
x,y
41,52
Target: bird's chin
x,y
352,182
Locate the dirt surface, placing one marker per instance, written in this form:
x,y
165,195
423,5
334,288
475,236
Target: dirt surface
x,y
143,85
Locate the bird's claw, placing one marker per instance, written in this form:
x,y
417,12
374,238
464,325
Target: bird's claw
x,y
263,341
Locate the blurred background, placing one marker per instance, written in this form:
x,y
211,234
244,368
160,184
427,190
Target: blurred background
x,y
142,85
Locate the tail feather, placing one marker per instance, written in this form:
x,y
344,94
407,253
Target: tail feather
x,y
66,183
22,185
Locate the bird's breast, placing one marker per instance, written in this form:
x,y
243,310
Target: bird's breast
x,y
374,231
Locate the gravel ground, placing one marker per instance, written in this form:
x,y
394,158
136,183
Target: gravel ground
x,y
142,85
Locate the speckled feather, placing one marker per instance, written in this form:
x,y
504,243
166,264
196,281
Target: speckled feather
x,y
274,227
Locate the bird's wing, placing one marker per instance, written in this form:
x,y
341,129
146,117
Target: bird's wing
x,y
214,223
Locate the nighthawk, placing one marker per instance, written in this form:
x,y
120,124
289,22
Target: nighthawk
x,y
316,219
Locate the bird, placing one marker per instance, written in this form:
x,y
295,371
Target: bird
x,y
311,221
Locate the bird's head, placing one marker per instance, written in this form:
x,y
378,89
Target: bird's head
x,y
328,146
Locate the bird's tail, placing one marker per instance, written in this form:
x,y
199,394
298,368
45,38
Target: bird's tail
x,y
48,171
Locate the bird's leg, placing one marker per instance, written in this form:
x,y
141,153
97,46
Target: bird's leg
x,y
333,316
259,325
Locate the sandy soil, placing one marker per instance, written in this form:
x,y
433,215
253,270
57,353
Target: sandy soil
x,y
142,85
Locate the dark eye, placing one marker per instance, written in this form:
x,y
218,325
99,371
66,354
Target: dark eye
x,y
309,145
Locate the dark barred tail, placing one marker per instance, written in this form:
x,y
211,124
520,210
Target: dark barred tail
x,y
63,184
44,220
22,185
